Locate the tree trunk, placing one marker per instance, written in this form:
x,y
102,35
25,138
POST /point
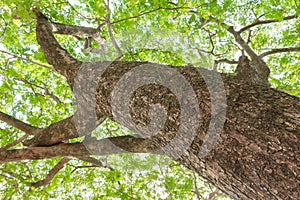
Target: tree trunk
x,y
257,156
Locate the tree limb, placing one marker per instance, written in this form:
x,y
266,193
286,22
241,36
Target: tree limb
x,y
55,133
260,22
280,50
107,146
74,30
57,56
52,173
93,33
27,128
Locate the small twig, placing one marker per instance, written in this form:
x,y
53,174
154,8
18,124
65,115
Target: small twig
x,y
280,50
124,193
296,4
14,143
27,60
211,35
213,194
249,37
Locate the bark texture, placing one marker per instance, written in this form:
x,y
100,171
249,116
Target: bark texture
x,y
257,155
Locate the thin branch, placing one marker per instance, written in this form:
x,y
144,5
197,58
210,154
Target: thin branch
x,y
260,68
243,43
113,40
260,22
52,173
14,143
280,50
89,33
249,37
27,128
27,60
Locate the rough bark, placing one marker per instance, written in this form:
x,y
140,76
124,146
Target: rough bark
x,y
257,155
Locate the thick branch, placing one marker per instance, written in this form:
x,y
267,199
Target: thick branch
x,y
57,56
27,128
74,30
260,22
108,146
82,31
55,133
243,43
280,50
52,173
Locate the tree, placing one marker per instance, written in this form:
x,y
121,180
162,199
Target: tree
x,y
233,128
